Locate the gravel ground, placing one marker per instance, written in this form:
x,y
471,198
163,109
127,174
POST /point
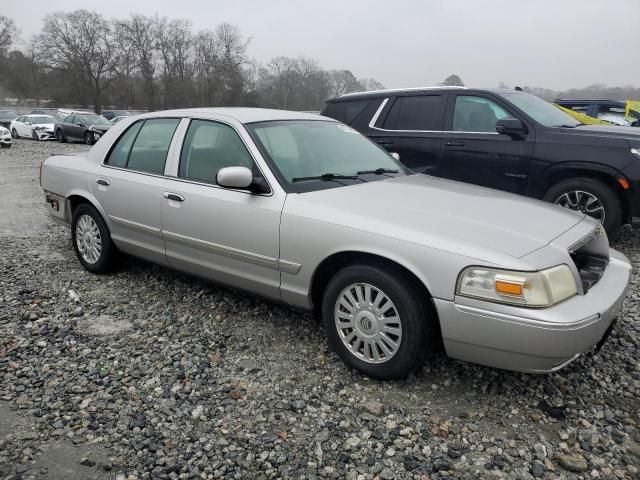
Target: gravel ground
x,y
148,373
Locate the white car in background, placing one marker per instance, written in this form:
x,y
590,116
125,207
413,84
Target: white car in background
x,y
38,127
5,138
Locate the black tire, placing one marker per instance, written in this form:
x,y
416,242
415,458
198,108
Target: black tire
x,y
420,332
5,145
88,138
14,133
106,260
34,136
60,136
608,197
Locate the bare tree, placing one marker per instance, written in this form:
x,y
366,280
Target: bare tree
x,y
8,33
80,43
343,81
174,43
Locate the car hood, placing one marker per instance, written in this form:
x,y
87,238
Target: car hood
x,y
102,128
45,126
629,133
441,213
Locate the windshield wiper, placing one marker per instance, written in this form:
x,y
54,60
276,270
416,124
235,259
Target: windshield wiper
x,y
326,177
378,171
567,126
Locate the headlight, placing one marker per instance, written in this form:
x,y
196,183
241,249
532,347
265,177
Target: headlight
x,y
635,152
529,289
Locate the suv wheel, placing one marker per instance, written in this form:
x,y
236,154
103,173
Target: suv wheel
x,y
91,239
591,197
378,321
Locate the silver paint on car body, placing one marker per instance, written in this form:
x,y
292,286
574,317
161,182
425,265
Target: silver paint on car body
x,y
273,244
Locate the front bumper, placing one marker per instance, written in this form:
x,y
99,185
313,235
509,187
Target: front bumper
x,y
45,135
5,139
534,340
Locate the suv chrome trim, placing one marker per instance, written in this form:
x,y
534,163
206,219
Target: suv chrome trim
x,y
376,116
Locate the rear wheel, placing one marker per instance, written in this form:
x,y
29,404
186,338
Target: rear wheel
x,y
378,321
14,133
591,197
88,138
92,240
60,136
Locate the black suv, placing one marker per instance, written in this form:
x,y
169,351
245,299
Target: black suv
x,y
504,139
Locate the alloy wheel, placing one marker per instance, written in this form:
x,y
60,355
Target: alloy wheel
x,y
584,202
88,239
368,323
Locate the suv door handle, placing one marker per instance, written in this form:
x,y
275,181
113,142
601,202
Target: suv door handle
x,y
454,144
103,181
173,196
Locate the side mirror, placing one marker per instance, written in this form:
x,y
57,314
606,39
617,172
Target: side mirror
x,y
234,177
395,155
511,126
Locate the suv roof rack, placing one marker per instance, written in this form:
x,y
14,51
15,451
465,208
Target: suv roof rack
x,y
392,90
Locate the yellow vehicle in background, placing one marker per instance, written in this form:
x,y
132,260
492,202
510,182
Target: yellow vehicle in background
x,y
602,112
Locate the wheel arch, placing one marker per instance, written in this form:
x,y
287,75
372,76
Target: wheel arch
x,y
339,260
78,197
603,173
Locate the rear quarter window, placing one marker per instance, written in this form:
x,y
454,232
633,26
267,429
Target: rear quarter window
x,y
346,112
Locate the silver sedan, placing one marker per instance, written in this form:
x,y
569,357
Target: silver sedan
x,y
306,211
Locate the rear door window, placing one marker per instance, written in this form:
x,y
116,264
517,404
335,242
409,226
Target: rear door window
x,y
120,152
419,112
150,148
144,145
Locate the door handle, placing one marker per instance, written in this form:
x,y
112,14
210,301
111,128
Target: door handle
x,y
103,181
454,144
176,197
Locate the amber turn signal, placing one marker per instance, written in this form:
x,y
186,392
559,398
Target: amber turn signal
x,y
508,288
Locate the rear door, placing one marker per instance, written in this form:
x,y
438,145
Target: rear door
x,y
411,126
130,186
474,152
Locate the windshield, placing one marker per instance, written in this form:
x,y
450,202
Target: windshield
x,y
541,111
8,115
42,119
94,120
300,149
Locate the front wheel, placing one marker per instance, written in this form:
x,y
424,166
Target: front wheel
x,y
92,240
60,136
5,145
378,321
591,197
88,138
34,135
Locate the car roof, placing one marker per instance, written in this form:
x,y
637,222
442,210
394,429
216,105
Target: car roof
x,y
413,90
241,114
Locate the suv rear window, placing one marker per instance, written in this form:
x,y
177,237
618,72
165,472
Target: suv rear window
x,y
346,112
421,112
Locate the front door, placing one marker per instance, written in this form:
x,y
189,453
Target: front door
x,y
474,152
411,126
228,235
130,187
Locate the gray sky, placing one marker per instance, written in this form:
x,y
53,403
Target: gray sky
x,y
557,44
